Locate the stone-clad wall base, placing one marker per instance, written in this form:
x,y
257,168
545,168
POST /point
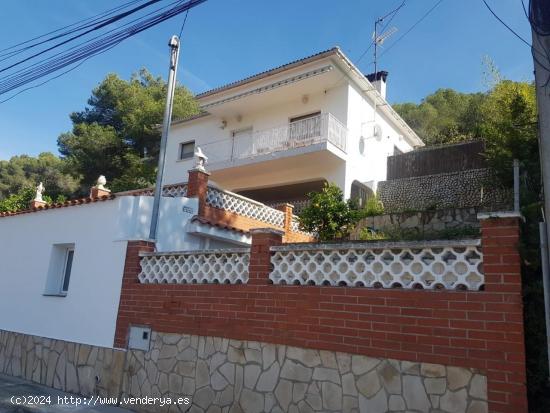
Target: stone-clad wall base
x,y
63,365
223,375
231,376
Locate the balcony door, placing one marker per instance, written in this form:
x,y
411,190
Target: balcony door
x,y
303,130
243,145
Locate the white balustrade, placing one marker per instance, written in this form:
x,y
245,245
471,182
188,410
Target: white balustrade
x,y
429,265
301,133
206,266
244,206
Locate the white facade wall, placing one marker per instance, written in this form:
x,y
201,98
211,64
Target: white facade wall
x,y
344,99
371,165
216,142
99,232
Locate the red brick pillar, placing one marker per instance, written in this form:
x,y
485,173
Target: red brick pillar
x,y
287,209
132,269
37,204
260,255
197,186
96,192
506,370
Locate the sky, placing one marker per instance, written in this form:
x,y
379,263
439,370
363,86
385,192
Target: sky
x,y
226,40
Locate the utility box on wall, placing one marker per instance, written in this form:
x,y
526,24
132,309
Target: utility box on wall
x,y
140,338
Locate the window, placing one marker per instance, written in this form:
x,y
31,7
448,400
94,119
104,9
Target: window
x,y
187,150
67,270
60,270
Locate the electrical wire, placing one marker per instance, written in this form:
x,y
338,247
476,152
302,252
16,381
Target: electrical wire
x,y
183,24
90,48
89,21
534,50
393,13
96,27
87,42
412,27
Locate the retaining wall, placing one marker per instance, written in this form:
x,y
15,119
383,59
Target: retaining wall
x,y
463,189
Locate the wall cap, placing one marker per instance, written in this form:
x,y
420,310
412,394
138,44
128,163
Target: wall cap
x,y
196,252
202,171
499,214
474,242
266,231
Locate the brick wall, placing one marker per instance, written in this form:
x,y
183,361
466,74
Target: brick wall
x,y
246,223
482,330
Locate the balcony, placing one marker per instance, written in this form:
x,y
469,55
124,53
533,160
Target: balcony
x,y
296,135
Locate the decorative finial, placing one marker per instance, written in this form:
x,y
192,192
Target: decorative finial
x,y
101,182
201,159
39,191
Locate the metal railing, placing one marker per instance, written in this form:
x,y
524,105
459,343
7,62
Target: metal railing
x,y
298,134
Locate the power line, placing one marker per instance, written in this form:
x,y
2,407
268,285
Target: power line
x,y
532,47
183,24
412,27
393,14
88,49
88,23
96,27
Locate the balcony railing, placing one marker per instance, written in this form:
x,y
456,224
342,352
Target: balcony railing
x,y
302,133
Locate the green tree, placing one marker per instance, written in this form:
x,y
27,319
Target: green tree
x,y
25,171
118,135
328,215
446,116
21,200
509,129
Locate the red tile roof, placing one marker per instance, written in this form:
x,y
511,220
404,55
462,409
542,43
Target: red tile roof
x,y
206,221
71,202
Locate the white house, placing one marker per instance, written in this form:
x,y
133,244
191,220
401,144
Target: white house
x,y
282,133
272,137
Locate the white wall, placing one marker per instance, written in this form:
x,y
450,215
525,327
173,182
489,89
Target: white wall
x,y
99,232
88,313
372,165
217,143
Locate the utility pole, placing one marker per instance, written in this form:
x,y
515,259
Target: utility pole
x,y
174,44
539,17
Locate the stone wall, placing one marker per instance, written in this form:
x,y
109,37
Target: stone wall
x,y
422,222
224,375
72,367
463,189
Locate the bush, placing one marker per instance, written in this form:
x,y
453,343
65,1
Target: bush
x,y
328,215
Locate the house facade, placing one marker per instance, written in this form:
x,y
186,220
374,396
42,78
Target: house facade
x,y
280,134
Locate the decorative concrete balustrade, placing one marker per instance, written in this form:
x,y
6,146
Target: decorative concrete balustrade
x,y
244,206
225,266
427,265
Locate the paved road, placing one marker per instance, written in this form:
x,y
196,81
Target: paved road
x,y
16,390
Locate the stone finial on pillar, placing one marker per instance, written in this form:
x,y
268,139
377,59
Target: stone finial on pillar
x,y
38,201
99,189
197,183
260,253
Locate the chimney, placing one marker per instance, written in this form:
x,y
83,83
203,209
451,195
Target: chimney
x,y
379,81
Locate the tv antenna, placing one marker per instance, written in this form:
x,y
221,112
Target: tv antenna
x,y
379,39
